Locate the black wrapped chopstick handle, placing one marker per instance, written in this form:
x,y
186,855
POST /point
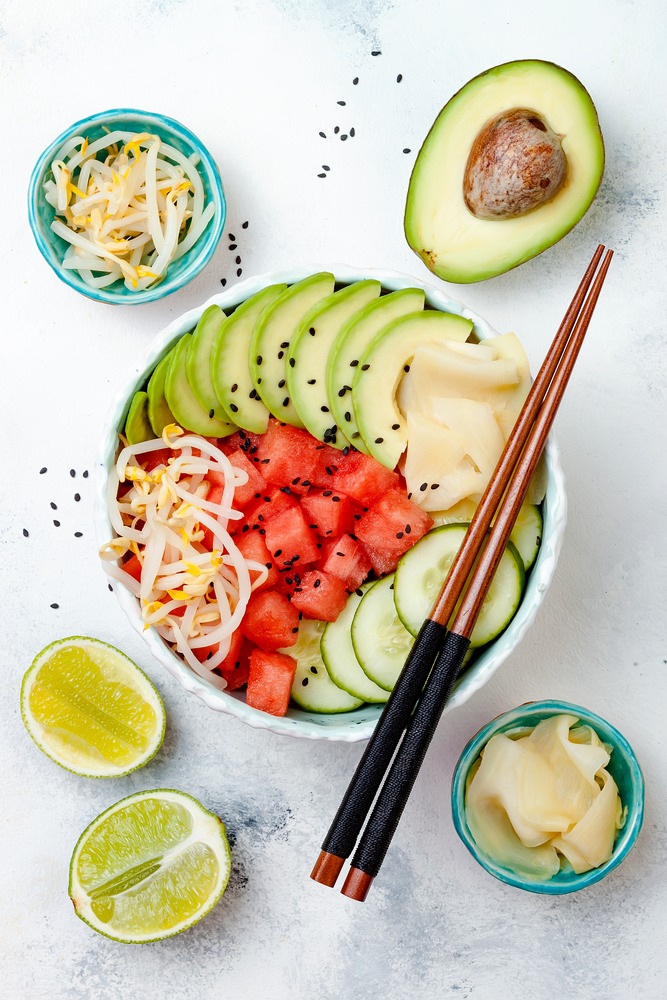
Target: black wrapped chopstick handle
x,y
361,791
391,801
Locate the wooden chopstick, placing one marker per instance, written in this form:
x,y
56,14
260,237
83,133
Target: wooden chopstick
x,y
347,824
396,789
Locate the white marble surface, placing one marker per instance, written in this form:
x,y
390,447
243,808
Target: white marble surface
x,y
258,80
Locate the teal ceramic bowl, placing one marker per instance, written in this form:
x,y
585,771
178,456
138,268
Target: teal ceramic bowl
x,y
623,767
181,271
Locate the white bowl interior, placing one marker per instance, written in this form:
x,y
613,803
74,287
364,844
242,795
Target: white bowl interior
x,y
351,726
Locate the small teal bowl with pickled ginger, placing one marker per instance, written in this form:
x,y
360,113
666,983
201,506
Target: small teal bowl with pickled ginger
x,y
623,767
188,153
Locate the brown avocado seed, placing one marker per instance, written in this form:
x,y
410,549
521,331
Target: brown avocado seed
x,y
516,164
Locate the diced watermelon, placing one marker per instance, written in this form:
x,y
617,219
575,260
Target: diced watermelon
x,y
236,671
290,540
155,458
269,502
287,456
391,526
270,681
328,460
214,495
270,621
204,653
363,479
327,512
245,440
252,546
320,595
243,495
347,559
133,567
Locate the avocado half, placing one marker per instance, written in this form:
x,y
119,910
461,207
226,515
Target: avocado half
x,y
441,229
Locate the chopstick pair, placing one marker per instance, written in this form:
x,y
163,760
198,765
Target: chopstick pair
x,y
411,715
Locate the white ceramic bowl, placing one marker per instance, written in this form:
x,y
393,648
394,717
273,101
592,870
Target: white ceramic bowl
x,y
351,726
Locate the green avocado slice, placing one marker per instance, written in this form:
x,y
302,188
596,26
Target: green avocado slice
x,y
441,229
308,354
198,361
350,344
230,371
183,403
159,413
137,426
382,366
271,340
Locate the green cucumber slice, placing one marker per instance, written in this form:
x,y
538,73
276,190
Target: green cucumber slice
x,y
230,370
271,340
313,688
159,413
381,368
309,352
422,570
527,534
339,656
350,344
380,640
183,403
137,425
198,361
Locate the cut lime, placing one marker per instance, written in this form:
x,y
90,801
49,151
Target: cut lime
x,y
91,709
149,867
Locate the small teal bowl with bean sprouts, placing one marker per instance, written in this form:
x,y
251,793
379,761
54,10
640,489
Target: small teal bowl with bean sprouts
x,y
126,206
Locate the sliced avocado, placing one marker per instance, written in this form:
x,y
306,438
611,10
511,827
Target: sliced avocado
x,y
137,426
230,371
510,165
183,403
271,340
309,352
350,344
381,368
159,413
198,361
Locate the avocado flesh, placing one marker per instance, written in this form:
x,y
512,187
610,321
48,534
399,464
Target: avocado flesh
x,y
137,425
382,366
271,340
350,344
309,352
230,371
183,403
451,241
198,361
159,413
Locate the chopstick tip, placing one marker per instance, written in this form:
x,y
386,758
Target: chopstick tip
x,y
327,869
357,885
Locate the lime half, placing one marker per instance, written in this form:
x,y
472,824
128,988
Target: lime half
x,y
149,867
91,709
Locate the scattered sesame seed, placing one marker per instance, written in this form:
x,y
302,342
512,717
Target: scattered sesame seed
x,y
244,225
321,175
313,670
324,409
312,381
399,534
292,362
325,167
26,533
277,553
379,440
281,355
72,473
316,583
408,529
85,473
423,487
365,368
395,427
435,486
211,414
343,137
43,470
232,238
281,384
236,385
305,681
352,133
55,606
285,343
239,272
259,359
286,401
399,78
233,246
77,497
56,524
342,103
223,282
337,130
377,52
406,368
78,534
238,259
323,135
406,150
355,81
295,630
53,506
109,587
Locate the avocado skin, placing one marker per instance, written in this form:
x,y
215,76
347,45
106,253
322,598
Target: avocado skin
x,y
449,271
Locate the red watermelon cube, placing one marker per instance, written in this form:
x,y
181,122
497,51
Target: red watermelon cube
x,y
252,546
328,460
269,501
362,478
320,595
236,665
287,456
348,560
290,540
270,681
328,513
391,527
270,621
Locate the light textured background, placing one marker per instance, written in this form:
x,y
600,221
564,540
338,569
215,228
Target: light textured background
x,y
257,81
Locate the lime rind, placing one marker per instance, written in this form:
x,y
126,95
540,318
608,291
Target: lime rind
x,y
141,683
212,834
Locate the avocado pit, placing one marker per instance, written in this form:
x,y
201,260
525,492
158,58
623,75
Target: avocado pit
x,y
515,165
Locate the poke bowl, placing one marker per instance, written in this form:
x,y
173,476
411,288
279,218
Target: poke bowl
x,y
351,719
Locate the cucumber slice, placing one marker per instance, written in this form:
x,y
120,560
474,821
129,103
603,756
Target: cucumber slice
x,y
137,425
527,534
159,413
339,656
272,337
309,352
198,361
230,371
350,344
421,572
312,688
380,640
182,401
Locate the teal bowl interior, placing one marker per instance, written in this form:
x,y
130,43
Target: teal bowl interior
x,y
623,767
180,272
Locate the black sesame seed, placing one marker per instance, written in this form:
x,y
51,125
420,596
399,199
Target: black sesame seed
x,y
253,394
78,534
399,534
281,384
285,343
336,130
109,587
321,175
265,461
259,359
26,533
56,524
305,681
53,506
239,272
328,470
269,565
357,517
343,138
289,580
262,531
323,134
231,237
355,81
324,409
211,414
399,78
327,493
72,473
365,368
312,381
246,527
341,103
292,362
259,381
317,583
395,427
223,282
238,260
423,487
352,133
353,364
376,53
232,246
77,497
244,225
313,670
281,355
233,407
295,630
408,529
379,440
346,450
85,473
435,486
43,470
406,150
306,482
347,415
335,499
311,331
55,606
325,166
286,401
297,480
278,552
236,385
